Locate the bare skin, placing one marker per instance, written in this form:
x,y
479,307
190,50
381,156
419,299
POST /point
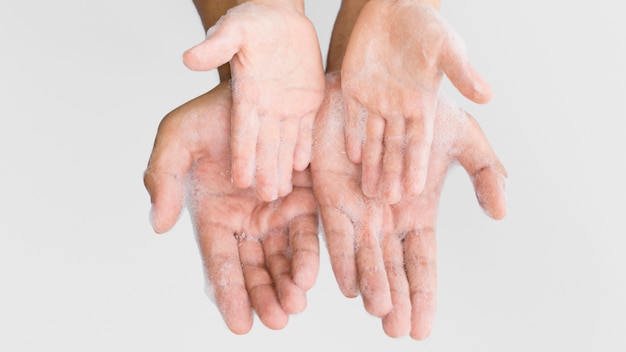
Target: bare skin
x,y
387,253
278,85
395,58
258,256
262,257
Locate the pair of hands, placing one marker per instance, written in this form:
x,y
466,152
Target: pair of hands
x,y
231,153
263,256
394,61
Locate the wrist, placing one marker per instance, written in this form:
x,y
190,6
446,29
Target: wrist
x,y
434,3
295,5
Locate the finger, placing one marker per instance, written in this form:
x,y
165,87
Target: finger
x,y
421,268
222,42
288,139
267,159
166,192
489,184
225,280
276,246
260,285
419,132
304,145
164,178
372,155
455,64
339,237
398,322
485,169
356,116
303,236
393,157
244,134
373,282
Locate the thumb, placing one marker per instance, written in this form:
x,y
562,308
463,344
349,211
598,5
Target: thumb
x,y
485,169
222,42
164,180
455,64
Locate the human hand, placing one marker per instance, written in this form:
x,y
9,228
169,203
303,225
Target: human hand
x,y
394,62
278,82
387,253
257,256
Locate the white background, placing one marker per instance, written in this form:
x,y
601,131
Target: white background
x,y
83,85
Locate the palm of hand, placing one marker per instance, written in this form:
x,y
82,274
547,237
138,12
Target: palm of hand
x,y
388,252
257,256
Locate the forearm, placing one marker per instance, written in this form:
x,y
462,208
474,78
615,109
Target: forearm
x,y
348,13
433,3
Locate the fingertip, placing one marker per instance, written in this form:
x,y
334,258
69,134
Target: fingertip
x,y
421,333
303,153
368,186
417,158
376,294
192,59
490,187
266,192
349,290
415,177
416,188
189,58
487,94
294,301
156,221
209,54
354,148
397,323
392,330
242,173
304,146
346,277
422,322
497,209
305,269
285,188
392,194
305,279
240,327
379,307
234,306
480,91
355,120
301,162
276,320
371,170
166,200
